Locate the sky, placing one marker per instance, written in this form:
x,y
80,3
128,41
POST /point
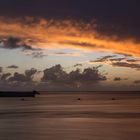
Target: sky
x,y
70,45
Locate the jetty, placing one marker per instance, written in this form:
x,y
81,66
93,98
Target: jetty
x,y
18,94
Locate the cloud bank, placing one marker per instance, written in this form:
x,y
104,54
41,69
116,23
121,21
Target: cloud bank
x,y
42,34
123,61
54,78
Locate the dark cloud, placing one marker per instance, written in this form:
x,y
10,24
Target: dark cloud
x,y
113,17
103,59
38,54
67,54
117,79
64,53
137,82
83,44
5,76
60,53
19,43
1,69
30,73
127,65
13,67
78,65
88,75
27,77
55,73
55,76
17,77
116,58
14,43
133,60
117,61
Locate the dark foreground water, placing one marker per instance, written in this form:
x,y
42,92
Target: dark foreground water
x,y
61,116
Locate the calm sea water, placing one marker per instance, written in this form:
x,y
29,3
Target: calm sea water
x,y
62,116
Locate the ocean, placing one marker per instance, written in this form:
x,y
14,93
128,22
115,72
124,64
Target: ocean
x,y
71,116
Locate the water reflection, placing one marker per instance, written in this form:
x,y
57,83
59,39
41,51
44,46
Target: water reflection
x,y
62,117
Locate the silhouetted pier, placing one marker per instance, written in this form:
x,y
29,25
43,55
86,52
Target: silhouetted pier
x,y
18,94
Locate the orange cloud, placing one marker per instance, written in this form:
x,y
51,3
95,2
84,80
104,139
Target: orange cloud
x,y
41,33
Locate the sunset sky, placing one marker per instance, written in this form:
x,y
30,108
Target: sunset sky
x,y
84,45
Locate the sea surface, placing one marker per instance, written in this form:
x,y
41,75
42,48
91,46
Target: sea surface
x,y
71,116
